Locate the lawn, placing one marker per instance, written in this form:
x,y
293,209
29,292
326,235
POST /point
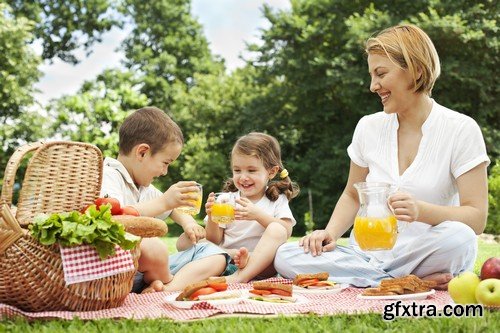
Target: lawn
x,y
308,323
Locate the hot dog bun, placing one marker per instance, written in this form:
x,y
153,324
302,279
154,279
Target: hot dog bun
x,y
142,226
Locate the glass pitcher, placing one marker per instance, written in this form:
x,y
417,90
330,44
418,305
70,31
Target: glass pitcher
x,y
375,226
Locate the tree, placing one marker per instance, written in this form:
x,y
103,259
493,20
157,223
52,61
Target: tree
x,y
18,74
314,86
64,25
167,46
95,113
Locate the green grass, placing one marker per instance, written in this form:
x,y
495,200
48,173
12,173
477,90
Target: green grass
x,y
306,323
309,323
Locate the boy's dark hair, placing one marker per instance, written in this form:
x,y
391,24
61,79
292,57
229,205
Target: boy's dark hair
x,y
148,125
267,149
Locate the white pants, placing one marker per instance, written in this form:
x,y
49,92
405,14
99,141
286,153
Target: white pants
x,y
450,247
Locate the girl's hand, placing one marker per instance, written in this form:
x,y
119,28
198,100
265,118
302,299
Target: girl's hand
x,y
209,204
317,242
404,206
246,210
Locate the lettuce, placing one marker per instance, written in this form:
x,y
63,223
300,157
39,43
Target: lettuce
x,y
94,227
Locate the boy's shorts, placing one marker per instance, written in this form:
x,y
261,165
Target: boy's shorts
x,y
181,259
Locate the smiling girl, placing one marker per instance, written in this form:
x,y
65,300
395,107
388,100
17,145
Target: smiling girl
x,y
263,219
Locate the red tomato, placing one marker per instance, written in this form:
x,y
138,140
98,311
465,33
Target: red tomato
x,y
280,292
115,204
308,281
218,286
129,210
202,291
83,210
260,292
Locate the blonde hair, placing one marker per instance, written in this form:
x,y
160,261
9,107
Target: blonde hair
x,y
151,126
266,148
409,48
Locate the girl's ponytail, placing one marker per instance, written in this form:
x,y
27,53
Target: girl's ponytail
x,y
284,185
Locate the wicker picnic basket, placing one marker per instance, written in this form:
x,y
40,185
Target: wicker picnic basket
x,y
60,177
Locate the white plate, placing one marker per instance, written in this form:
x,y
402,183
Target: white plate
x,y
402,297
170,299
336,289
300,300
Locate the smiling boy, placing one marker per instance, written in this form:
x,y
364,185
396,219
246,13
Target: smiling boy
x,y
149,141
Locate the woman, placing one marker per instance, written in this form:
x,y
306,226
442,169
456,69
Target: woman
x,y
435,156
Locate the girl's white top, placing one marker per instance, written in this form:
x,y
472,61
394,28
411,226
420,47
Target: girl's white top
x,y
247,233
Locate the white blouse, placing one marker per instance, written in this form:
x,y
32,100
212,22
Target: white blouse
x,y
451,145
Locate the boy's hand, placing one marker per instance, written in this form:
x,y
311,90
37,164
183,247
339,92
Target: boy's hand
x,y
194,232
246,210
182,193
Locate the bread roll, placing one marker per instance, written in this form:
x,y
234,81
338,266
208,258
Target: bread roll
x,y
142,226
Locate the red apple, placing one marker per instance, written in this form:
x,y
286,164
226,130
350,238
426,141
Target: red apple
x,y
491,269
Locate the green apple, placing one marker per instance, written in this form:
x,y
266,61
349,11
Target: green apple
x,y
462,288
488,292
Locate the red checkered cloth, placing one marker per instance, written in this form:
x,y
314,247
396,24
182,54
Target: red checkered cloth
x,y
154,305
82,263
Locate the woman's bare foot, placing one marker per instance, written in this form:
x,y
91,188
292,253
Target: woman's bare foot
x,y
441,279
241,257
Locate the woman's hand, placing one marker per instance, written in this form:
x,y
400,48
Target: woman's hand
x,y
404,206
317,242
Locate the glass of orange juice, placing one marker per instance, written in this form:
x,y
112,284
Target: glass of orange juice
x,y
196,209
375,226
223,208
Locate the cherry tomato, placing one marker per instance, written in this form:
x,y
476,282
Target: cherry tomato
x,y
115,204
129,210
202,291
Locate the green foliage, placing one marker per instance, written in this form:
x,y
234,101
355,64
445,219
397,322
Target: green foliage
x,y
493,225
312,79
62,26
306,83
18,64
95,227
95,113
166,45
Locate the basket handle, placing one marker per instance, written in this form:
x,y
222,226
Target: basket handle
x,y
10,170
10,230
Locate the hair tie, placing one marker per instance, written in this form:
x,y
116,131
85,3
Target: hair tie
x,y
284,174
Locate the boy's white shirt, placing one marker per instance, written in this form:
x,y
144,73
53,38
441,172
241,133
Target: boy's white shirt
x,y
247,233
117,183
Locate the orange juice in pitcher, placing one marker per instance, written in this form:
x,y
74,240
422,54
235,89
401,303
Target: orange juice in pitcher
x,y
375,226
374,233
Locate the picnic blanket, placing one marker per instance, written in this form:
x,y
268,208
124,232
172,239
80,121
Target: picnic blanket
x,y
154,305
